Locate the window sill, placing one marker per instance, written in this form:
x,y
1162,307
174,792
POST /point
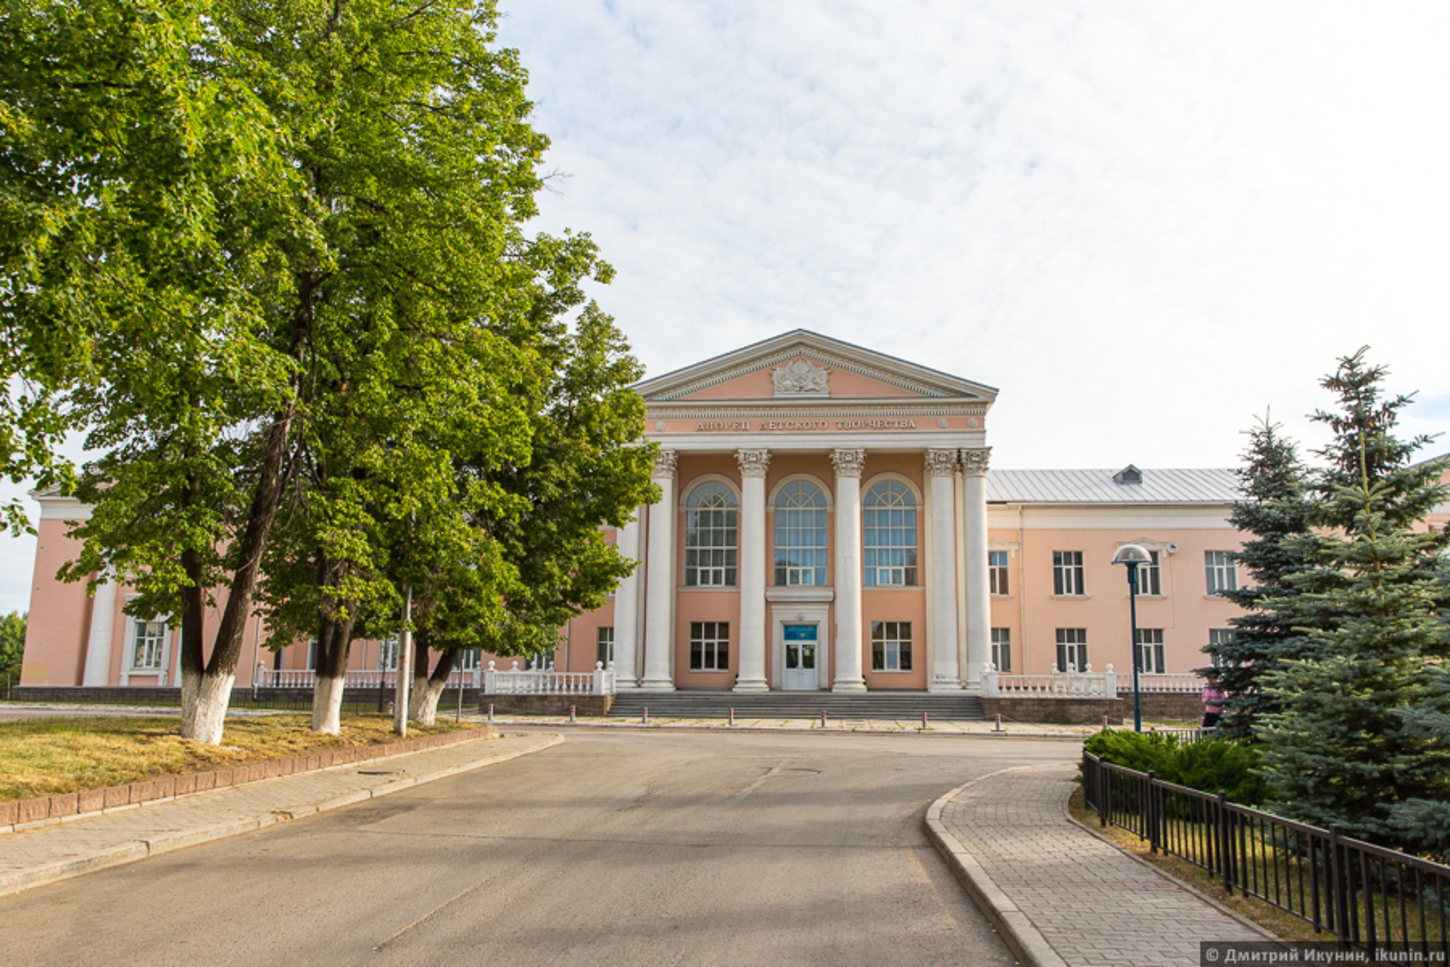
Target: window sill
x,y
1071,597
890,671
892,587
1001,597
1151,597
1214,597
710,588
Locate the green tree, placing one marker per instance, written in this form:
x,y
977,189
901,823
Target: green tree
x,y
1350,744
1275,511
589,467
272,185
12,646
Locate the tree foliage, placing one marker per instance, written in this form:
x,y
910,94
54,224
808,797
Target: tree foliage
x,y
1275,511
271,258
12,646
1355,741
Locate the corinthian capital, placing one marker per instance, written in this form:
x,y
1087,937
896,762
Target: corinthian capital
x,y
974,462
665,463
753,463
941,463
848,463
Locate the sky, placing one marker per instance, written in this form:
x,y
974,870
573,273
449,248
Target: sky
x,y
1146,224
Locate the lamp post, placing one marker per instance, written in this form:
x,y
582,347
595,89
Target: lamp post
x,y
1132,555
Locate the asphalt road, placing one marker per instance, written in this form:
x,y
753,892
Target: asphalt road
x,y
617,848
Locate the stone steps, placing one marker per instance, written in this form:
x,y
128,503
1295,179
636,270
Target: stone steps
x,y
797,705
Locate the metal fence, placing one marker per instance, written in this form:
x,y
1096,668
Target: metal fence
x,y
1369,897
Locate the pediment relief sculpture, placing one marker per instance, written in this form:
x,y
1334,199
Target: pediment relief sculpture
x,y
801,377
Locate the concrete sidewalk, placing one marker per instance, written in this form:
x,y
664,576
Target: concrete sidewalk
x,y
43,855
1060,896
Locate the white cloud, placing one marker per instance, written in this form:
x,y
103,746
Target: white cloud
x,y
1205,203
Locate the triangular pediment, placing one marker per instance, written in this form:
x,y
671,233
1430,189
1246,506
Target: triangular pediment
x,y
806,365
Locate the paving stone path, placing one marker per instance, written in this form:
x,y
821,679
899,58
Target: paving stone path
x,y
34,856
1089,901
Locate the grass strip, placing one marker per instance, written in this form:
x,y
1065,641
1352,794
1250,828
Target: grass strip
x,y
47,757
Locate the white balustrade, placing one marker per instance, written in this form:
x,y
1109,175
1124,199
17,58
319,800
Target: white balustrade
x,y
355,678
548,681
1069,684
1174,682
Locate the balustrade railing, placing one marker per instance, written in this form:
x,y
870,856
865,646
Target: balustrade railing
x,y
1170,682
1069,684
548,681
307,678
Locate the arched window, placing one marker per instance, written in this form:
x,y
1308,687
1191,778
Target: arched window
x,y
711,536
888,534
800,535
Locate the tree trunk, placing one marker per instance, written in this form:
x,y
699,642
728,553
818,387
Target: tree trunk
x,y
423,704
204,701
334,641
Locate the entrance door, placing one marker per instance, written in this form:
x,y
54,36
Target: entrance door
x,y
800,657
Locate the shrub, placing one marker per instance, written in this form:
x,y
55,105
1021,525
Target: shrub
x,y
1211,765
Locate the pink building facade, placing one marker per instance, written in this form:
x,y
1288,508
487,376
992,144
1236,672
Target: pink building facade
x,y
829,520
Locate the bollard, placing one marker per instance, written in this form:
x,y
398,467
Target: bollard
x,y
731,720
823,720
923,722
490,712
998,726
1105,721
644,719
571,713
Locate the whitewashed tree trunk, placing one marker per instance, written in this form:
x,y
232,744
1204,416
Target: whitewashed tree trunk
x,y
327,704
426,694
204,701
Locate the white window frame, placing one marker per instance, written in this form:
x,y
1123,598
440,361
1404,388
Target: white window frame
x,y
1151,657
469,659
604,645
997,570
709,646
894,653
1150,576
715,564
1002,649
1067,575
889,545
1220,572
388,654
792,550
1072,649
155,648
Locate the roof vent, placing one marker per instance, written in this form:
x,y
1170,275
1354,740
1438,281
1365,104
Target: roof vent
x,y
1128,475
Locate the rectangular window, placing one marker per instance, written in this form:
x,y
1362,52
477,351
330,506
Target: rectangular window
x,y
1002,649
605,651
1067,573
312,654
1072,649
1217,638
150,637
388,655
1150,579
1150,651
469,659
891,646
709,646
1222,573
997,571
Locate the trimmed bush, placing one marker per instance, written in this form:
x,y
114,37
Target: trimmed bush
x,y
1210,765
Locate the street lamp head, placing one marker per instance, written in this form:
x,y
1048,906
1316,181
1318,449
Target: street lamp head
x,y
1132,554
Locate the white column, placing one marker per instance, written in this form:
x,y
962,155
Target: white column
x,y
849,642
98,644
753,465
659,616
626,610
979,598
941,467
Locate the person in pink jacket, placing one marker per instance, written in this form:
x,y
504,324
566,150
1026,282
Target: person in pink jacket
x,y
1212,705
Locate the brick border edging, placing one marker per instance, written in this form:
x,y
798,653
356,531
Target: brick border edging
x,y
1022,936
21,814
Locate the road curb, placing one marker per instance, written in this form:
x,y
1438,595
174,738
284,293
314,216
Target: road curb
x,y
137,850
1014,926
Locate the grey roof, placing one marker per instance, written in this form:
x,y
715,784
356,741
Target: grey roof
x,y
1214,486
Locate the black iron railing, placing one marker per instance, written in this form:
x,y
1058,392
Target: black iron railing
x,y
1368,896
